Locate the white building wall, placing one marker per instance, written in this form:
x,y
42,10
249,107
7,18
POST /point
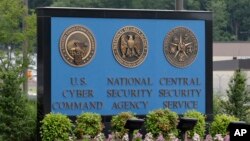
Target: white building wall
x,y
222,78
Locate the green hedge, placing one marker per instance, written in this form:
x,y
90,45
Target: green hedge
x,y
88,124
162,121
118,122
55,127
220,124
158,122
201,123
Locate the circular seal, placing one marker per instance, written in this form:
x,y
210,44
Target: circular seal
x,y
130,46
180,47
77,45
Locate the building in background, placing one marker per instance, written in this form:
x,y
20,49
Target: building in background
x,y
227,57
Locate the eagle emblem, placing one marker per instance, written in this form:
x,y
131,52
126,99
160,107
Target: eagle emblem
x,y
130,46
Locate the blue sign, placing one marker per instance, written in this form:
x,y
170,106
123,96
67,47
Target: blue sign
x,y
106,87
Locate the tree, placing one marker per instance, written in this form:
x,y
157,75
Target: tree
x,y
159,4
239,18
220,20
11,13
39,3
30,33
238,96
17,118
218,101
193,4
231,18
136,4
12,18
12,35
18,121
78,3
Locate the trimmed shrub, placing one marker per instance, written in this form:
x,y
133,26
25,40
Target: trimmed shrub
x,y
88,124
118,122
220,124
200,127
162,121
55,127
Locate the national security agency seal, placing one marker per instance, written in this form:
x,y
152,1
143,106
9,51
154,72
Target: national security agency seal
x,y
77,45
130,46
180,47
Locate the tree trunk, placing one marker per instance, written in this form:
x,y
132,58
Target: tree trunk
x,y
25,49
237,30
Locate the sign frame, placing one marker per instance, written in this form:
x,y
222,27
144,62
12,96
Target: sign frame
x,y
45,14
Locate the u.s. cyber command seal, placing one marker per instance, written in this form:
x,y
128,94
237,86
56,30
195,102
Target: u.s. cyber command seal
x,y
180,47
130,46
77,45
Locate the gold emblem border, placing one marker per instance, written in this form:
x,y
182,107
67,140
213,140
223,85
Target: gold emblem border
x,y
115,47
64,37
165,42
